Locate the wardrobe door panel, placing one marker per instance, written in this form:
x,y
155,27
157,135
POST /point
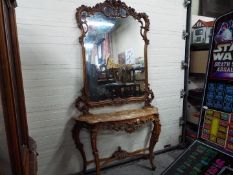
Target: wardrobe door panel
x,y
13,102
5,163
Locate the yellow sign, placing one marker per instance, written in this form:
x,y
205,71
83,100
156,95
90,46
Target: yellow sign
x,y
215,126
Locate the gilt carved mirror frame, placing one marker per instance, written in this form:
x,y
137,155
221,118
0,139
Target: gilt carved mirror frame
x,y
83,103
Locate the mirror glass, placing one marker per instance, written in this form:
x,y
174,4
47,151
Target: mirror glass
x,y
114,52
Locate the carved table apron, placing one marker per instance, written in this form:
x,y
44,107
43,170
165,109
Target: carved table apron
x,y
128,121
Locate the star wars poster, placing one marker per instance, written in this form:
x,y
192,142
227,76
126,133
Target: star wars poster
x,y
221,61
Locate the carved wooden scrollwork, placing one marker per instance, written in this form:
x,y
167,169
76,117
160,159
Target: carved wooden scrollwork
x,y
120,154
149,96
81,103
128,126
153,140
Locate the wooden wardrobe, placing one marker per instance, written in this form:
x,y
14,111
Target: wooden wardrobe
x,y
18,156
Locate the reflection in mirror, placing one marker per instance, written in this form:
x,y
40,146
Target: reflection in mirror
x,y
114,51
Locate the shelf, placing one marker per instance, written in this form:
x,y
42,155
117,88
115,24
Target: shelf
x,y
189,140
197,75
193,117
198,91
198,47
195,96
192,128
191,132
194,103
197,107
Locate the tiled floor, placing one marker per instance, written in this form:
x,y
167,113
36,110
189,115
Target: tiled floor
x,y
142,167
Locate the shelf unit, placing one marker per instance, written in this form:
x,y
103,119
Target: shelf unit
x,y
198,65
200,47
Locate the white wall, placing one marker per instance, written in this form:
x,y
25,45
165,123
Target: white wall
x,y
195,7
127,36
52,72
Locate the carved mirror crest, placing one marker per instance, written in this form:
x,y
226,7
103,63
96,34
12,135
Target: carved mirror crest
x,y
114,50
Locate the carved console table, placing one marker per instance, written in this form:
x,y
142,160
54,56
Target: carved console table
x,y
129,121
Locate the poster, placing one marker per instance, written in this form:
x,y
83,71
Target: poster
x,y
221,66
216,121
129,56
121,58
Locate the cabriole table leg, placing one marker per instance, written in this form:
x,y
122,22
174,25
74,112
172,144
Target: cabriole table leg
x,y
95,150
153,140
79,145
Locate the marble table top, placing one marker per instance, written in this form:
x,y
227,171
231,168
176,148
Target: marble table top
x,y
117,116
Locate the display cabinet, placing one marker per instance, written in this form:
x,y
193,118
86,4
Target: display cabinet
x,y
197,71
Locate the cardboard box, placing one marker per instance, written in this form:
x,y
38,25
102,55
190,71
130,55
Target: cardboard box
x,y
198,61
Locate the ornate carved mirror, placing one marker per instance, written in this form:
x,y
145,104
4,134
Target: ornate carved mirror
x,y
114,50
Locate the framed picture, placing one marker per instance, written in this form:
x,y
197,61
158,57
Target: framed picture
x,y
121,58
129,56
